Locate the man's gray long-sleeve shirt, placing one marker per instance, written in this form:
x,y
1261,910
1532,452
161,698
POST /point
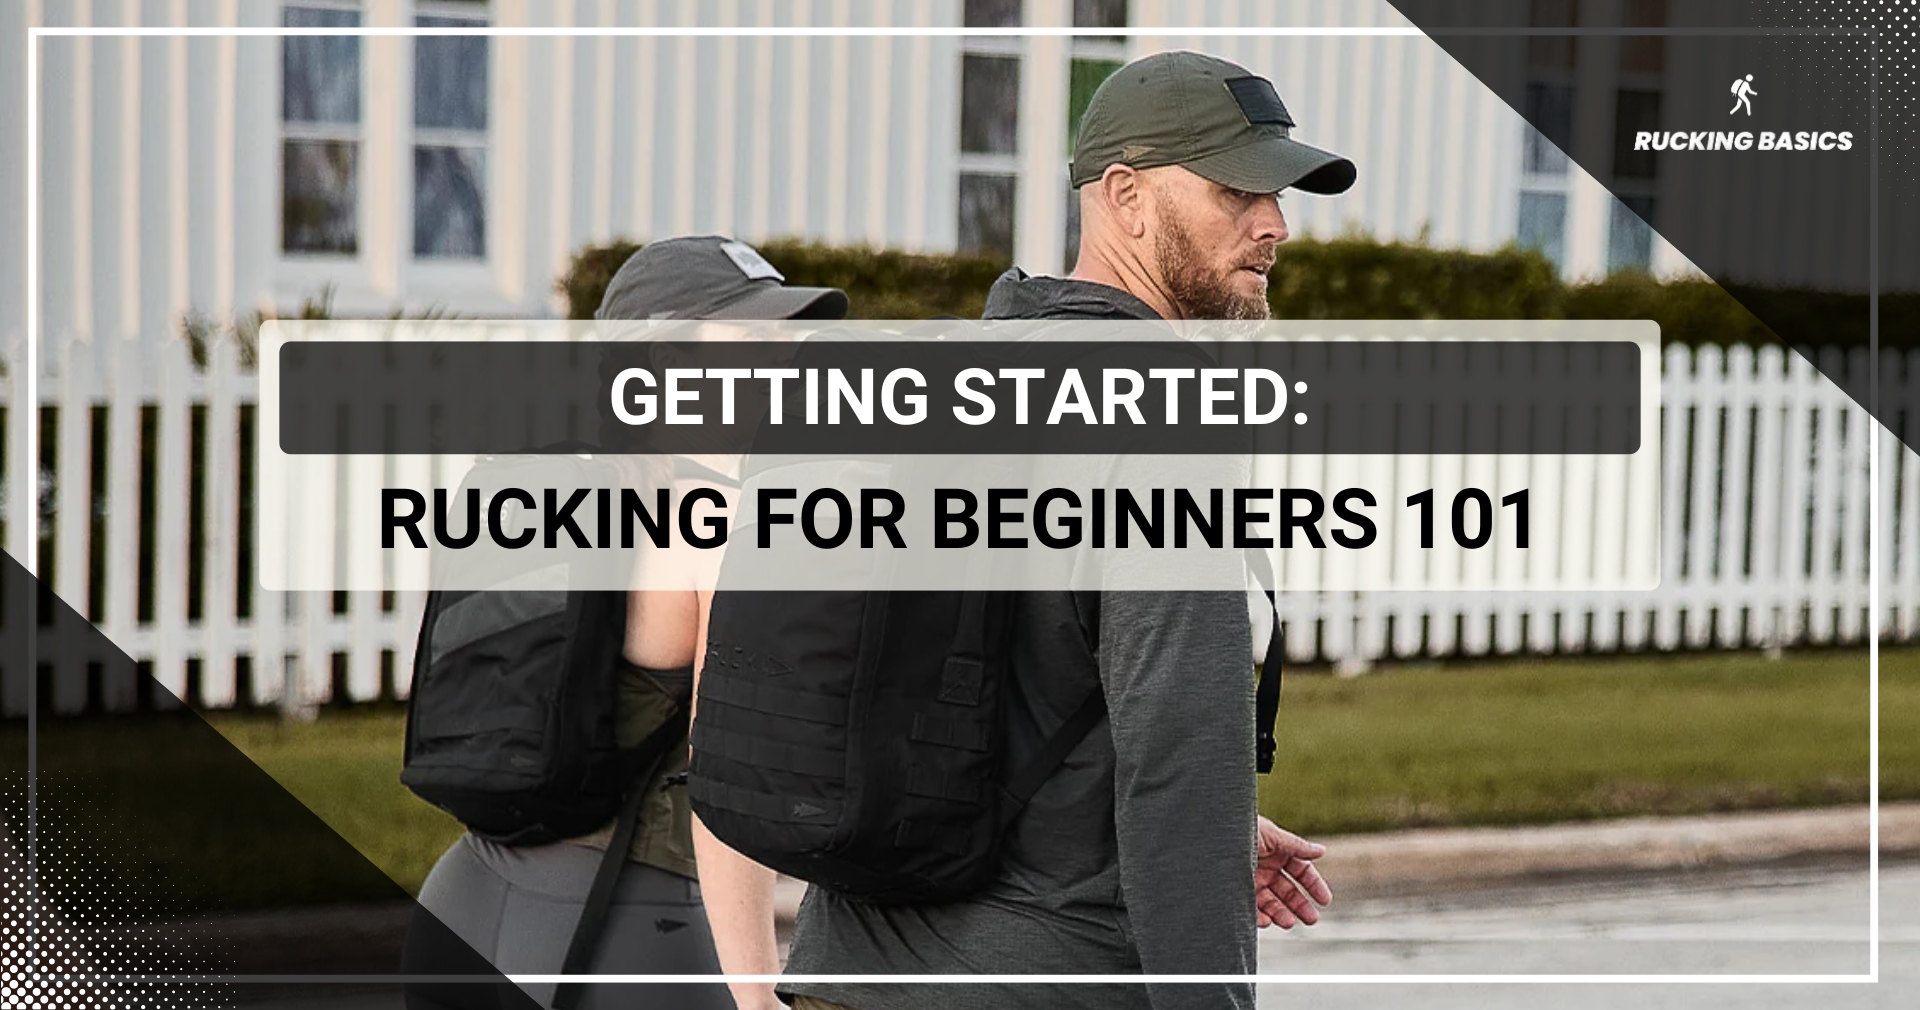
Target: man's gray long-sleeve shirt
x,y
1137,855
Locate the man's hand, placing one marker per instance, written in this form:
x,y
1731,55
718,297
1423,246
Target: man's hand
x,y
1286,884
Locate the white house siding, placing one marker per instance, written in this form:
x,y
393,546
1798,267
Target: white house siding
x,y
160,181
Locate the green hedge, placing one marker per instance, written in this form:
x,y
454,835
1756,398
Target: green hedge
x,y
1349,278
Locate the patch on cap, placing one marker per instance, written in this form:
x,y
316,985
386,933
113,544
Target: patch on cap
x,y
1135,151
750,262
1258,101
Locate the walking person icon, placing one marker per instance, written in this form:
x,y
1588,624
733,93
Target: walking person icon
x,y
1742,94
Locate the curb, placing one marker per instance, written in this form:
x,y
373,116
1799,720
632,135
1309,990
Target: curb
x,y
1439,860
1429,861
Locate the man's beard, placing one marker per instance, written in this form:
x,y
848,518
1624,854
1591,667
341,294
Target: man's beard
x,y
1200,292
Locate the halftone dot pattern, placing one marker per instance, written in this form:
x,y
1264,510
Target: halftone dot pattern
x,y
1896,30
74,930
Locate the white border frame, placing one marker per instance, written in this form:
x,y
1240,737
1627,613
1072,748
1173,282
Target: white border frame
x,y
32,540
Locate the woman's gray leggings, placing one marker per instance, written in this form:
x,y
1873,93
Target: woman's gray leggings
x,y
517,907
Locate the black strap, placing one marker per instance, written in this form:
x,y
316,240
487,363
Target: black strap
x,y
761,752
1266,697
1027,781
970,634
723,688
593,914
1266,710
963,676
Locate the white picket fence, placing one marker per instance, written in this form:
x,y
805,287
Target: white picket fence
x,y
1763,528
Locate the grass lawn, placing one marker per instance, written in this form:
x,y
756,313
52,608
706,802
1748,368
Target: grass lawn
x,y
1491,743
1531,742
346,767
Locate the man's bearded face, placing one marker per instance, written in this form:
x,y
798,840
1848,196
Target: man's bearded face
x,y
1222,279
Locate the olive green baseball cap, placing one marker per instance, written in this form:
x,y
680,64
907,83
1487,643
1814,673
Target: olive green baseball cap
x,y
1218,119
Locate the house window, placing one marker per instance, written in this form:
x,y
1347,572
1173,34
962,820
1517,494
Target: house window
x,y
992,14
1550,114
1543,224
1634,111
989,130
450,134
1636,108
1100,14
1548,131
986,212
1630,238
320,133
989,104
1548,107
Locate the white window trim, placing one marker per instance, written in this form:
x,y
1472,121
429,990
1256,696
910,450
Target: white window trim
x,y
1566,218
285,130
1098,49
993,45
461,272
968,163
383,274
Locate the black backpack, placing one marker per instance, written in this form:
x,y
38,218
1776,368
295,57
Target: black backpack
x,y
853,739
512,715
511,718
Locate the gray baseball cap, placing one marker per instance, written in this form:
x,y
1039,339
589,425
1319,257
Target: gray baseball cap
x,y
710,277
1218,119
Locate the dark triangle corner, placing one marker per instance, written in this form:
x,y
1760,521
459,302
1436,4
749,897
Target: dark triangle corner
x,y
1804,241
161,849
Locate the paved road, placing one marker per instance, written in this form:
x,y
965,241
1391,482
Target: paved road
x,y
1779,921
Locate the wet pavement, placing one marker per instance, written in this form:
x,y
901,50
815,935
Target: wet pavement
x,y
1807,920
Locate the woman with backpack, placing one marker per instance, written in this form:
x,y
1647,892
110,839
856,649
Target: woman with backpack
x,y
518,906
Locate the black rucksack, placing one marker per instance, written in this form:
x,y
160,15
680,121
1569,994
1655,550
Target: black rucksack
x,y
854,739
511,718
511,721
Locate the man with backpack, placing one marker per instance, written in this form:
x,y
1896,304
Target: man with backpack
x,y
1140,851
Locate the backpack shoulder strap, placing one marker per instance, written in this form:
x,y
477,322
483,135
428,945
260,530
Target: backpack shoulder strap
x,y
1027,781
1266,710
593,913
1266,697
1021,786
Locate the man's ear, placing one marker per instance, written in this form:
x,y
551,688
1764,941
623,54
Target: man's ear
x,y
1124,192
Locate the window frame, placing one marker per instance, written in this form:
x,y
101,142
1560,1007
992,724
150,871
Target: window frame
x,y
1624,219
383,274
1005,164
1638,188
1561,259
465,139
299,131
